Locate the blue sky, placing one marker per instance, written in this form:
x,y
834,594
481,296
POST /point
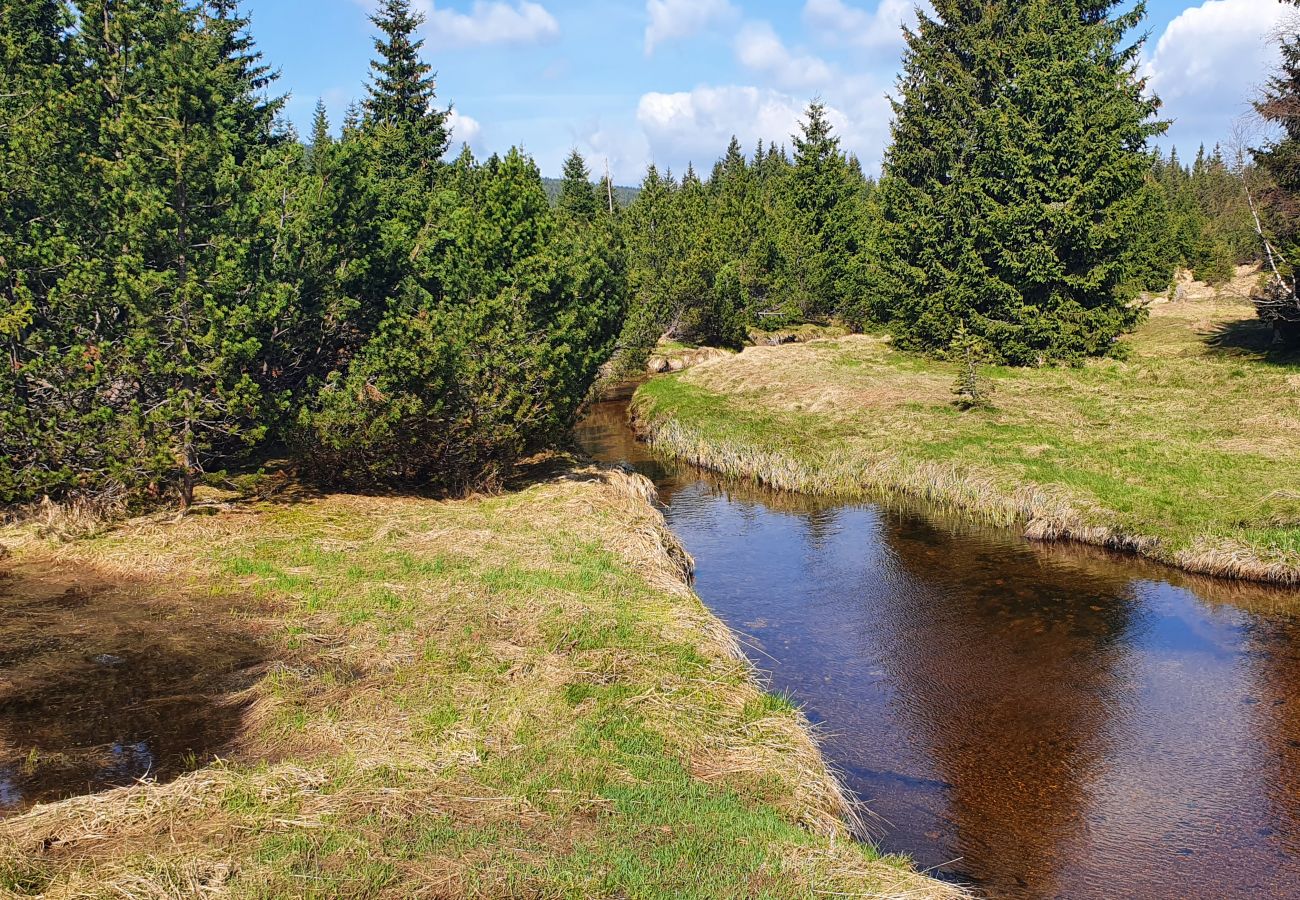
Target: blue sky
x,y
635,81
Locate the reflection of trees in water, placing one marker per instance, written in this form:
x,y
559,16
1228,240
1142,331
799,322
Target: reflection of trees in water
x,y
822,526
1256,598
1004,659
1275,663
1006,665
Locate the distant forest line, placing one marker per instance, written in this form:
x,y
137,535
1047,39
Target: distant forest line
x,y
623,194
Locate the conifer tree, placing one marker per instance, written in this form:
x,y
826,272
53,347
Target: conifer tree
x,y
248,77
182,281
651,234
1275,212
178,226
1279,105
1012,192
689,301
321,139
578,201
484,351
352,120
732,189
47,381
819,244
401,93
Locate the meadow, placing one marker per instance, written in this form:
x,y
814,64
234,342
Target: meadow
x,y
510,696
1181,447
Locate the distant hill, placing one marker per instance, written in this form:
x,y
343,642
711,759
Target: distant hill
x,y
624,195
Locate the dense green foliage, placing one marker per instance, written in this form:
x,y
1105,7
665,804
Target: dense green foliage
x,y
764,241
1203,218
135,145
182,283
1020,207
621,195
1275,205
1014,193
185,285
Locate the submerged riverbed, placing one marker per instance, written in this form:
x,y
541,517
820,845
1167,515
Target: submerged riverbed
x,y
1036,720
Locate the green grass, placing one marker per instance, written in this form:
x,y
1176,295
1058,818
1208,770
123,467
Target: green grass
x,y
513,696
1185,449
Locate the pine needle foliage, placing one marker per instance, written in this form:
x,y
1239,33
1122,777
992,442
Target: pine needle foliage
x,y
1276,209
764,241
972,389
1013,193
185,287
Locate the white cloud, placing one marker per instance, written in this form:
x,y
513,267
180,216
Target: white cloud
x,y
878,29
671,20
759,48
864,124
1209,64
464,130
1222,47
490,22
696,125
625,150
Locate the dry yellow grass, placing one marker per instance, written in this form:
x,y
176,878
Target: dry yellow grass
x,y
1183,451
507,696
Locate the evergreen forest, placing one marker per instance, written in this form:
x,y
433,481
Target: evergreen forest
x,y
188,286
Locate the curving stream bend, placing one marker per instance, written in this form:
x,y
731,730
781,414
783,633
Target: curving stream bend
x,y
1036,720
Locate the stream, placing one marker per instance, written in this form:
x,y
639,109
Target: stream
x,y
1032,720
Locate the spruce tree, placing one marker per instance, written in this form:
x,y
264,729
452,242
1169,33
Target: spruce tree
x,y
578,201
819,241
689,299
650,231
1281,106
401,93
248,76
47,379
735,219
1012,191
1275,211
178,164
321,139
352,120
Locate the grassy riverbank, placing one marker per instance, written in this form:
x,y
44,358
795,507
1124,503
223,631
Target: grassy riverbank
x,y
1185,451
513,696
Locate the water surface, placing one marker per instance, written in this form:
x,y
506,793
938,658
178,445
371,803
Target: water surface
x,y
1039,721
105,684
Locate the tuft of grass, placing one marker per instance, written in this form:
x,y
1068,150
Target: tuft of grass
x,y
507,696
1183,451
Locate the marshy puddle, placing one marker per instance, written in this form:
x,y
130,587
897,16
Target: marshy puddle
x,y
103,685
1039,721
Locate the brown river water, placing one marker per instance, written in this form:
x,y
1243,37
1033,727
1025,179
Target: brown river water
x,y
1036,721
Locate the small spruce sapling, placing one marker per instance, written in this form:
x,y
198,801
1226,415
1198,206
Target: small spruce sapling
x,y
973,390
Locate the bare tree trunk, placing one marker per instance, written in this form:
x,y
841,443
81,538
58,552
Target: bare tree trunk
x,y
609,187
